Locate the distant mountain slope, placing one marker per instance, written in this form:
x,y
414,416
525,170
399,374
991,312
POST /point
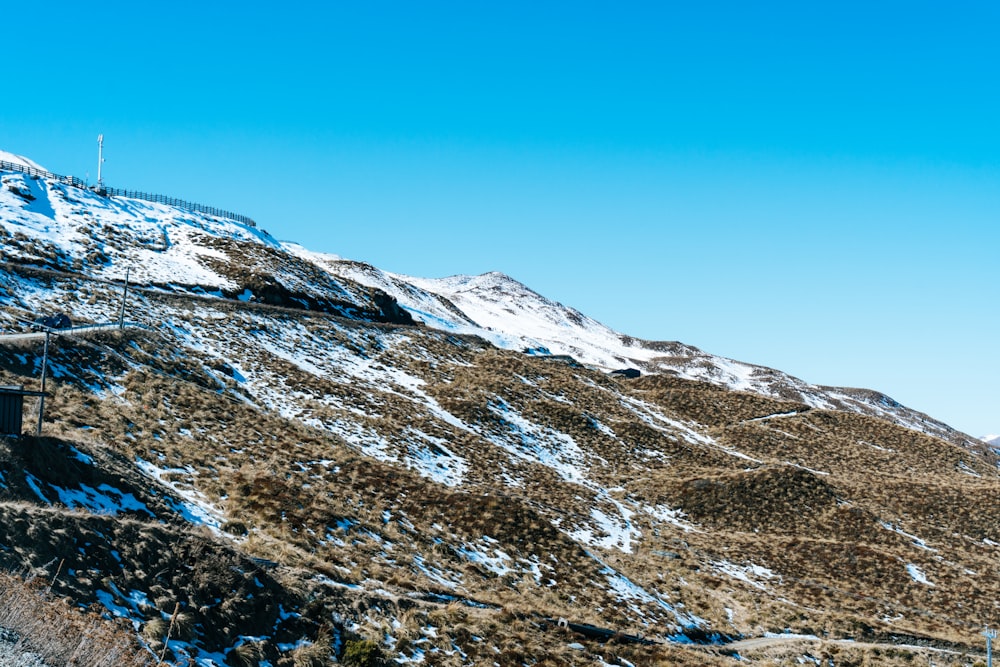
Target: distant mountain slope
x,y
501,310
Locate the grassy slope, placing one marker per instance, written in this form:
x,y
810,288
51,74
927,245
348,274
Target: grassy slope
x,y
824,501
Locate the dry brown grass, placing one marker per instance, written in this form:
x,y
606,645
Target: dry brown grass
x,y
63,634
812,507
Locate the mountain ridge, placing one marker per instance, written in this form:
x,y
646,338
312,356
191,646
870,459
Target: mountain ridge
x,y
20,160
470,304
537,324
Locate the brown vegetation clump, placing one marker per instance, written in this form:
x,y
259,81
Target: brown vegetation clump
x,y
62,634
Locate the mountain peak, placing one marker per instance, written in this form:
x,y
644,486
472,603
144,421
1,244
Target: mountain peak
x,y
491,280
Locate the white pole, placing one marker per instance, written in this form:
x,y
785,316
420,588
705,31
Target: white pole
x,y
100,159
990,636
41,399
121,317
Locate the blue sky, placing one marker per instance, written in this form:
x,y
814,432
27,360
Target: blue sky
x,y
808,186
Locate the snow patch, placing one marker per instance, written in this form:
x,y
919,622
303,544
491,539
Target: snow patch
x,y
750,574
193,506
917,574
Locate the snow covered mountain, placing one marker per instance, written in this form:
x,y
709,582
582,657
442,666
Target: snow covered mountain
x,y
295,452
182,251
57,226
511,316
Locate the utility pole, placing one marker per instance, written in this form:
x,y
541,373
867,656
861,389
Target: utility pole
x,y
121,315
100,160
41,399
990,636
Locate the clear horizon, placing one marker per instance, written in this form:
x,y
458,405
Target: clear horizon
x,y
809,188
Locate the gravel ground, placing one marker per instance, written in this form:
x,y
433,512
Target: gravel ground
x,y
12,656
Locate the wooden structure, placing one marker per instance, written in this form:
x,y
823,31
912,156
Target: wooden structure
x,y
12,408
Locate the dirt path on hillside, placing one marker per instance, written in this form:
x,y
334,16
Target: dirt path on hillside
x,y
71,332
762,643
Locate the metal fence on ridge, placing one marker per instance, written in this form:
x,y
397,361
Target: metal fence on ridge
x,y
128,194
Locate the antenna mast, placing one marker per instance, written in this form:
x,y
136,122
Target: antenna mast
x,y
100,160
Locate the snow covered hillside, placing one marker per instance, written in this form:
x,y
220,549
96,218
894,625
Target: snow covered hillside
x,y
297,451
17,159
60,226
511,316
56,226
